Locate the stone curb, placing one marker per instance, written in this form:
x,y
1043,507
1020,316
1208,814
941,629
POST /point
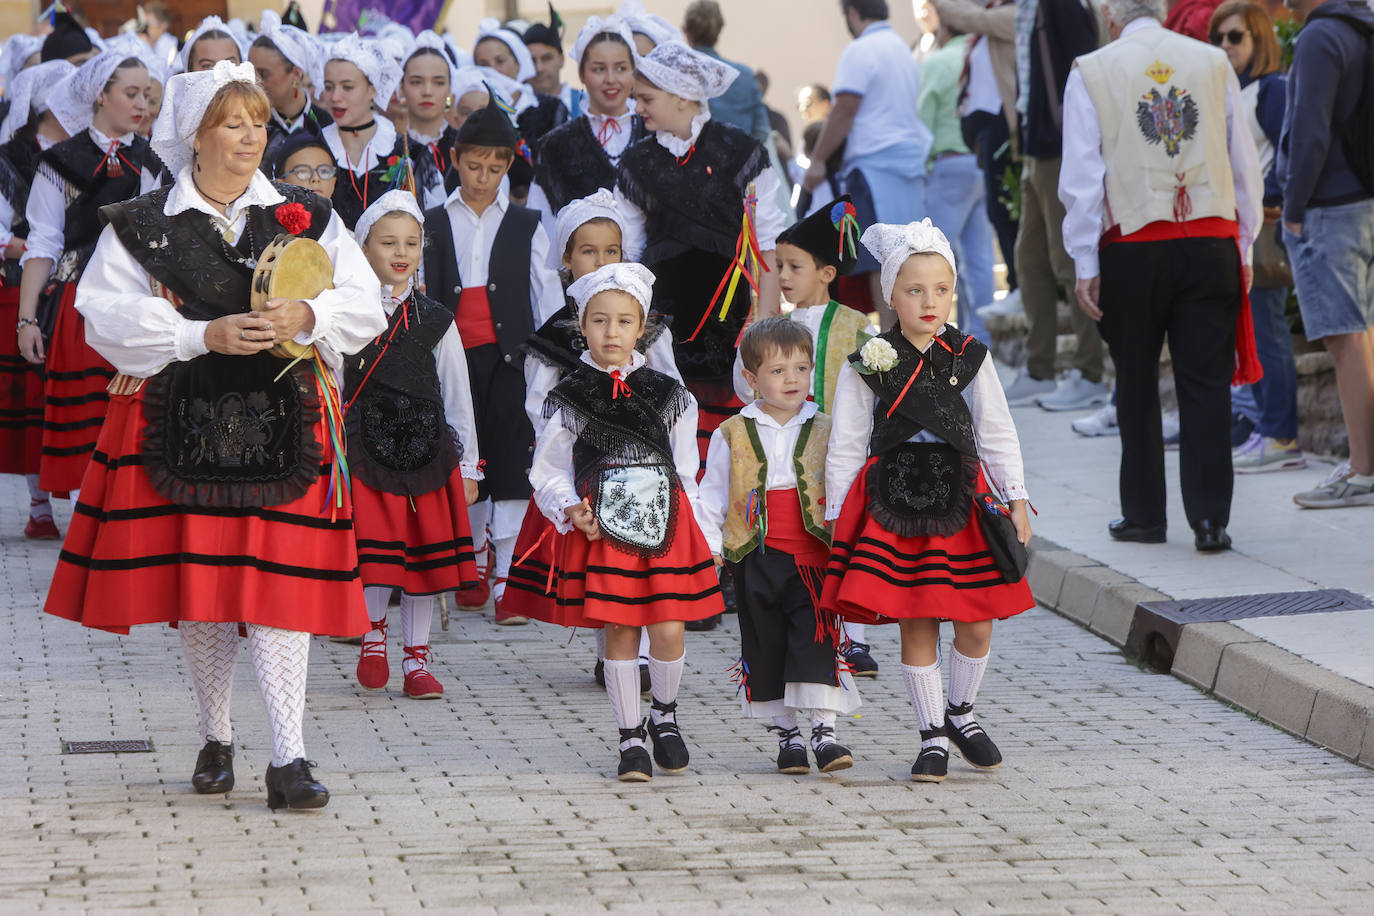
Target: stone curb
x,y
1233,665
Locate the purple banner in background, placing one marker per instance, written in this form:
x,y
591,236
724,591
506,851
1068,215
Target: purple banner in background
x,y
368,16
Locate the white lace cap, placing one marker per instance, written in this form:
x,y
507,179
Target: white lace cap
x,y
429,39
29,91
131,45
581,211
72,101
399,34
182,62
635,279
96,41
642,22
18,48
380,69
506,88
184,103
676,68
892,245
391,202
296,45
491,28
612,24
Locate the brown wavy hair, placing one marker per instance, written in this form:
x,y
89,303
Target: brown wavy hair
x,y
1266,58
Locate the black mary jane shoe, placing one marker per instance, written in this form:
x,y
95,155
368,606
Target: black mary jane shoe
x,y
1124,530
670,751
1211,537
830,756
292,786
861,663
973,743
635,765
214,773
932,764
792,759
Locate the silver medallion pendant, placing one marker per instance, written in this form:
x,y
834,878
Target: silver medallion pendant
x,y
954,379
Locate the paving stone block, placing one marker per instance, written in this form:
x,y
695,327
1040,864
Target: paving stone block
x,y
1114,609
1079,592
1340,717
1243,670
1290,692
1046,573
1200,647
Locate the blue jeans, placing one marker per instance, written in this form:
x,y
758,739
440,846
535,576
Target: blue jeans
x,y
1276,393
956,198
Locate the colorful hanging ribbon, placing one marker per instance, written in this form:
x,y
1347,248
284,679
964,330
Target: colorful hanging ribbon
x,y
846,222
747,263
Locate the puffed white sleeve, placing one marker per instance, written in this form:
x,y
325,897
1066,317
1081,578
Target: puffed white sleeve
x,y
546,290
551,476
995,434
632,239
743,390
138,333
540,378
714,491
851,422
6,220
350,314
686,454
659,356
47,215
451,363
769,219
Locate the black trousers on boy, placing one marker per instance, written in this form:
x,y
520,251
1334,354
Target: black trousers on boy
x,y
777,625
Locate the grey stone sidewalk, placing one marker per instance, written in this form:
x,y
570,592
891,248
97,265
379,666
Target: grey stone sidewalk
x,y
1123,791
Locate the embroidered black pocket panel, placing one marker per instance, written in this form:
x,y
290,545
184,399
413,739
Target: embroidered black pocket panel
x,y
225,431
922,489
401,443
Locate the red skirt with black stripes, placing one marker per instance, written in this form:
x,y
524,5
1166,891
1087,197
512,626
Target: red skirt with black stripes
x,y
21,396
75,397
422,548
875,576
132,557
530,583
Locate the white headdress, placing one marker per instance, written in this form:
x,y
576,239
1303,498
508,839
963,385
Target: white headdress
x,y
381,71
29,92
96,41
296,45
429,39
642,22
635,279
892,245
482,79
400,36
184,103
491,28
578,212
676,68
612,24
18,48
391,202
460,55
182,62
72,101
132,46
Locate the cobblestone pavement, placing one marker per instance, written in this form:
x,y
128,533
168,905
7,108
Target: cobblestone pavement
x,y
1123,791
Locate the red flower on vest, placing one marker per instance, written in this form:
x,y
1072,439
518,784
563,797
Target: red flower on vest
x,y
294,218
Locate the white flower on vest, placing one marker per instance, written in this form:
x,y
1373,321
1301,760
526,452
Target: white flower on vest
x,y
878,356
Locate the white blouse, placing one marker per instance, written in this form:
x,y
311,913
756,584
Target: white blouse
x,y
994,433
141,334
380,146
551,476
779,443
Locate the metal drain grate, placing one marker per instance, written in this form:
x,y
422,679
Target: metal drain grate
x,y
1157,625
118,746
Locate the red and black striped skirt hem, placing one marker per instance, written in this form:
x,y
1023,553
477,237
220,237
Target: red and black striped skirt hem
x,y
75,399
423,547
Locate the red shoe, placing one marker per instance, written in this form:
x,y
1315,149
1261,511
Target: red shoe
x,y
475,597
41,529
420,684
373,671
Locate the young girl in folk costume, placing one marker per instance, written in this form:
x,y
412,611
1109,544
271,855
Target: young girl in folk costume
x,y
412,449
616,460
762,510
427,83
102,106
366,147
505,52
28,129
209,44
284,58
924,479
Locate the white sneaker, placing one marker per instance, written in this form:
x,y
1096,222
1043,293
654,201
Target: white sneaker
x,y
1024,390
1102,423
1339,492
1260,454
1010,304
1074,392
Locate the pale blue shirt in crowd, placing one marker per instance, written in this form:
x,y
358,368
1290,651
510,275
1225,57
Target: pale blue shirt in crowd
x,y
878,66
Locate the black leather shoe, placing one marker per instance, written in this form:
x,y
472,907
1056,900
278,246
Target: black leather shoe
x,y
293,786
214,773
792,759
973,743
599,673
829,755
635,765
1210,537
1123,530
932,764
670,751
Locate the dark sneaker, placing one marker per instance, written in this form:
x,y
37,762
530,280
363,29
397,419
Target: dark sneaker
x,y
792,759
861,664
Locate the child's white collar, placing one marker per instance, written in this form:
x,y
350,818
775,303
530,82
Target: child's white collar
x,y
637,361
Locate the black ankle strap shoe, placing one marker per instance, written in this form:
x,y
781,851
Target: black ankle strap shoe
x,y
214,773
973,743
294,787
670,751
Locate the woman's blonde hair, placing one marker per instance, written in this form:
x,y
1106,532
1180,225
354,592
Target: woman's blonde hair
x,y
228,100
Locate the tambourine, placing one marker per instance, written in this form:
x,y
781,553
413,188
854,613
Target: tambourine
x,y
292,268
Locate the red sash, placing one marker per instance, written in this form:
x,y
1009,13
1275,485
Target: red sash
x,y
787,531
473,317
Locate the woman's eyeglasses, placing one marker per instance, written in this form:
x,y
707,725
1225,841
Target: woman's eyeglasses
x,y
1234,37
306,173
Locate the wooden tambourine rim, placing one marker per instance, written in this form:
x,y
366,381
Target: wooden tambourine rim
x,y
262,289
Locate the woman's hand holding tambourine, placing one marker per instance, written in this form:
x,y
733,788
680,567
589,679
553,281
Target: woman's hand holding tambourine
x,y
240,335
289,317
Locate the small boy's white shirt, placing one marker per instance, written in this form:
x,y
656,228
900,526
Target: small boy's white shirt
x,y
779,441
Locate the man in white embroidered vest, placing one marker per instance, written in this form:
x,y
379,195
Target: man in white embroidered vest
x,y
1163,200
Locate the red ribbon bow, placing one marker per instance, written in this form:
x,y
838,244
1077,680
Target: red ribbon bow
x,y
607,131
619,386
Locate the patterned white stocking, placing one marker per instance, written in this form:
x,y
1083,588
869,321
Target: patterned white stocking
x,y
417,613
210,652
280,659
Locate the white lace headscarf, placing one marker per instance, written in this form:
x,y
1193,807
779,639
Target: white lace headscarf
x,y
429,39
676,68
491,28
391,202
635,279
18,48
892,245
133,46
182,62
377,65
184,103
581,211
29,92
296,45
642,22
613,25
72,101
485,79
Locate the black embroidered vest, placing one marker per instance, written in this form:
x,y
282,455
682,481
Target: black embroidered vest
x,y
559,342
18,162
572,164
78,161
223,431
354,193
399,440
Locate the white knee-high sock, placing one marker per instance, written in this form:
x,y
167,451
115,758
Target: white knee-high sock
x,y
965,676
377,598
855,631
786,723
926,690
622,687
644,646
502,552
664,680
210,652
822,718
417,613
39,505
280,659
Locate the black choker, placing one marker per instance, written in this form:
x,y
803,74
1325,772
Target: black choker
x,y
360,128
221,203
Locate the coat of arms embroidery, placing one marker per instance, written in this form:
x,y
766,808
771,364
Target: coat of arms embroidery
x,y
1168,119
